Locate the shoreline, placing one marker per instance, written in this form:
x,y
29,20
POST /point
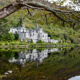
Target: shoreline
x,y
38,45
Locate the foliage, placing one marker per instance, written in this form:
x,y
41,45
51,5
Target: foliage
x,y
16,36
10,36
7,37
4,26
40,41
53,26
31,41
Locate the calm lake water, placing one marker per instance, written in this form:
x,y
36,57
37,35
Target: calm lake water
x,y
40,64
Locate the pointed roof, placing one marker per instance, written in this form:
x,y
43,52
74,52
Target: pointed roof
x,y
37,27
23,25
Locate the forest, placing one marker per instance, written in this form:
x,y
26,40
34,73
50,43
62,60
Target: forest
x,y
62,23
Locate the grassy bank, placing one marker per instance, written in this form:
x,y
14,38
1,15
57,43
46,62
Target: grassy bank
x,y
18,44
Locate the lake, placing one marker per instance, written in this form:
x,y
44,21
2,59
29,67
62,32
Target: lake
x,y
40,64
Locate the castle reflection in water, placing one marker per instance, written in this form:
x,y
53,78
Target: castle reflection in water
x,y
35,55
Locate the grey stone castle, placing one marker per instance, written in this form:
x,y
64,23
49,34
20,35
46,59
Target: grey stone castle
x,y
32,34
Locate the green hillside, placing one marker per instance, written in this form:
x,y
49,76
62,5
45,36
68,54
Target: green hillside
x,y
50,24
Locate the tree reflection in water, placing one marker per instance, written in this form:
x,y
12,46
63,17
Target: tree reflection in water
x,y
53,64
36,56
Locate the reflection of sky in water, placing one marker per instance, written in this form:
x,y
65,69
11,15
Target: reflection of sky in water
x,y
75,78
36,56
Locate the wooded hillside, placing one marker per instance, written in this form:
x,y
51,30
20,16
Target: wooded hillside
x,y
59,22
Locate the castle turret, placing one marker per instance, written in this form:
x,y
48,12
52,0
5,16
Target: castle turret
x,y
37,28
23,25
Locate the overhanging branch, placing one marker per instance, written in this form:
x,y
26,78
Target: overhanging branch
x,y
6,11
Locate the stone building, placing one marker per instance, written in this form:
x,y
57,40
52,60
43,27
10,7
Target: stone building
x,y
32,34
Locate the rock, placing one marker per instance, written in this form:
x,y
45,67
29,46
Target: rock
x,y
6,73
10,71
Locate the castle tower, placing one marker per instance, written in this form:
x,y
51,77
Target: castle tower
x,y
23,25
37,27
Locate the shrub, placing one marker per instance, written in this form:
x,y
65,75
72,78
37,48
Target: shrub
x,y
31,41
10,36
16,36
40,41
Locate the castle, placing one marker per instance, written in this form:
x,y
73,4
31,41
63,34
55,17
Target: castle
x,y
32,34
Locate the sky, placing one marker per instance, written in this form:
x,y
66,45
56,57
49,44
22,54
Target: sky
x,y
68,3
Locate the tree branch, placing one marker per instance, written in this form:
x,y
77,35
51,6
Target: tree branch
x,y
6,11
